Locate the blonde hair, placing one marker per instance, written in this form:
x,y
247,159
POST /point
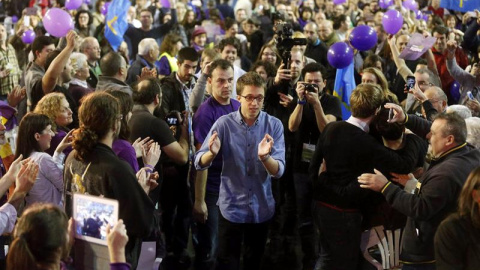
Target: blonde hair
x,y
383,83
50,105
366,99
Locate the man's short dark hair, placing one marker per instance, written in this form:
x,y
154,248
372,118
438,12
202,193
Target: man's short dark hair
x,y
389,131
229,22
313,67
146,10
111,63
455,125
221,64
189,54
39,43
269,67
249,79
442,30
229,41
146,94
337,21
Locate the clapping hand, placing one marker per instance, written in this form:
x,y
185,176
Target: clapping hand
x,y
265,146
214,144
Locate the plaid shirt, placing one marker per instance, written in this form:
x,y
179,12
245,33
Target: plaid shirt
x,y
9,82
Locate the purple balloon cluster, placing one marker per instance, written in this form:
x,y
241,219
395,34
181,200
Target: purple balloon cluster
x,y
57,22
362,38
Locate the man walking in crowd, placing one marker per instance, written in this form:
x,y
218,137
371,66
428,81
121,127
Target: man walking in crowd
x,y
314,110
252,147
207,182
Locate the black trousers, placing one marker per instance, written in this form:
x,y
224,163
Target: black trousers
x,y
232,235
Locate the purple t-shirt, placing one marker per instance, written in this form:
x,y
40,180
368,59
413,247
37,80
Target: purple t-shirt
x,y
203,120
124,150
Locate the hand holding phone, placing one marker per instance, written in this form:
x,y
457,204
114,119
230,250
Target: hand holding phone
x,y
470,95
410,82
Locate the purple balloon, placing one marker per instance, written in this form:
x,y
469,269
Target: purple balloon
x,y
14,19
363,38
392,21
425,17
165,3
57,22
455,91
104,8
73,4
410,5
28,36
385,3
340,55
87,2
418,15
339,2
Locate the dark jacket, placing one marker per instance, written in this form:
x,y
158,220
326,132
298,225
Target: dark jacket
x,y
456,244
348,152
113,178
435,197
172,95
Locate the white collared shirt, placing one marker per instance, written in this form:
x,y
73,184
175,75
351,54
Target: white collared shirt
x,y
359,123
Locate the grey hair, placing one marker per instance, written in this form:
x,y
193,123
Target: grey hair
x,y
77,61
461,110
473,131
146,45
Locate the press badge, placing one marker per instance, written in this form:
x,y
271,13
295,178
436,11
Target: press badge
x,y
307,152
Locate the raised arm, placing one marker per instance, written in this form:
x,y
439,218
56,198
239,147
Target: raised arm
x,y
58,64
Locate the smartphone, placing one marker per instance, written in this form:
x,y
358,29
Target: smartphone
x,y
26,21
410,82
470,95
390,114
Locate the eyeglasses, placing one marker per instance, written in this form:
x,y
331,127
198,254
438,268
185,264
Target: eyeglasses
x,y
250,99
423,83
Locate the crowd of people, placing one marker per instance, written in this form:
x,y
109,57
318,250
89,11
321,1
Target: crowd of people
x,y
209,128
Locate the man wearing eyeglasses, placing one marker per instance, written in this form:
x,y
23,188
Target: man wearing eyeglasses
x,y
314,110
252,146
424,78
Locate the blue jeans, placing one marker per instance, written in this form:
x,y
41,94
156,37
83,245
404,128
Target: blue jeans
x,y
429,266
340,236
205,235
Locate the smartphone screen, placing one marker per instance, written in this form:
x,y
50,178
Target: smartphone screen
x,y
410,82
390,114
26,21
